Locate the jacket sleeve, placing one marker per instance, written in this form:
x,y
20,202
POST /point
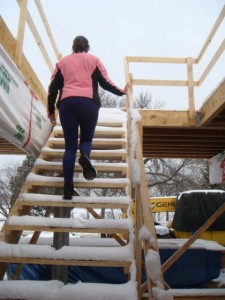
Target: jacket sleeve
x,y
55,86
105,82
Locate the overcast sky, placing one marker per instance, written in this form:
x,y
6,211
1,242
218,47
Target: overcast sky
x,y
119,28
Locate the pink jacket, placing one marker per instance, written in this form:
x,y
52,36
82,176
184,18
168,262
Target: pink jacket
x,y
78,75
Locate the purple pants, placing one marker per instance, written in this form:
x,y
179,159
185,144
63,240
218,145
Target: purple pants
x,y
75,112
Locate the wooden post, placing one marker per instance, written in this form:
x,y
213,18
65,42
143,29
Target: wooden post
x,y
138,243
60,239
191,91
20,33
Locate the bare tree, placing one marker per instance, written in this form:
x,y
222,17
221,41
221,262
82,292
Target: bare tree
x,y
172,176
145,101
111,101
12,179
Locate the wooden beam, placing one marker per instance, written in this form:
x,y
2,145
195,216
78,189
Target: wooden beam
x,y
214,105
212,62
191,100
148,59
9,44
161,82
211,34
20,33
165,118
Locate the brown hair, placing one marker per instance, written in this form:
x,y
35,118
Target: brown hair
x,y
80,44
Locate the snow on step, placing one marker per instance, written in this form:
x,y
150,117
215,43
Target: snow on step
x,y
93,152
78,199
106,140
122,254
34,177
56,290
197,292
70,222
100,129
40,161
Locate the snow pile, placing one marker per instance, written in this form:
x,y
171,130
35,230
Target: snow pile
x,y
144,234
70,222
221,278
153,267
55,290
123,254
78,199
160,294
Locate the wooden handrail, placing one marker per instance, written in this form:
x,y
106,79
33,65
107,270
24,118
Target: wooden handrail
x,y
189,61
47,28
212,34
143,215
24,13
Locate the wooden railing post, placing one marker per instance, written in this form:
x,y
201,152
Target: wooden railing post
x,y
20,33
191,91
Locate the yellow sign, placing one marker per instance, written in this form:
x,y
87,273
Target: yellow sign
x,y
163,204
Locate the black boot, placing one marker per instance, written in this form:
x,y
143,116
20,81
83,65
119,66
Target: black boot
x,y
89,171
68,191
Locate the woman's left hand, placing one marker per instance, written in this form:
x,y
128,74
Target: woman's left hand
x,y
52,119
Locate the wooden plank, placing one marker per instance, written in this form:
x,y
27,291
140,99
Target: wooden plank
x,y
10,228
201,296
106,168
59,143
64,262
20,33
71,204
148,59
110,155
191,100
98,134
214,105
212,62
164,118
160,82
97,183
211,34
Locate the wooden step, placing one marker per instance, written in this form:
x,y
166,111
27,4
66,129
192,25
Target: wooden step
x,y
198,294
48,181
30,199
59,143
121,256
49,154
44,165
22,289
100,132
32,223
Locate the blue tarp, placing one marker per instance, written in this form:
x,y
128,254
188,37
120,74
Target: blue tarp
x,y
194,267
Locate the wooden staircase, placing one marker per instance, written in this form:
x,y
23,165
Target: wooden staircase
x,y
44,188
113,158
